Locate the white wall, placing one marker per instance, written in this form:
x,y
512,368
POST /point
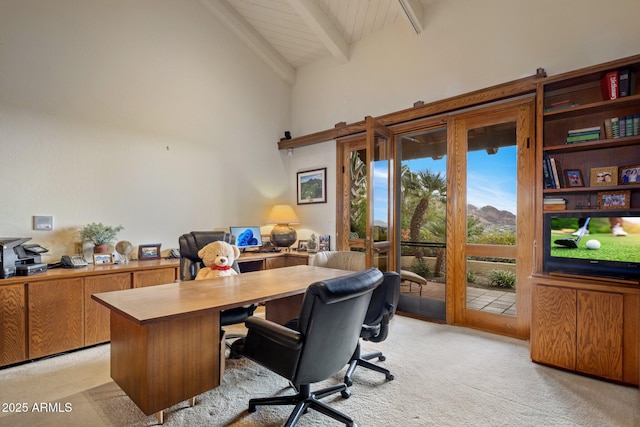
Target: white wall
x,y
92,93
467,45
145,113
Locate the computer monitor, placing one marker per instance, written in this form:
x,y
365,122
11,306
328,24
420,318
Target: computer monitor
x,y
246,237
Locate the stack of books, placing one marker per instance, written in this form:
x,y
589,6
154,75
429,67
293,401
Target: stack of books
x,y
554,204
583,135
559,105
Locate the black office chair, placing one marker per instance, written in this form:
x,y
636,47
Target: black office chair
x,y
375,328
328,330
191,263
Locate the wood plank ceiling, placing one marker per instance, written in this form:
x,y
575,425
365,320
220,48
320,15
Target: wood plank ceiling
x,y
288,34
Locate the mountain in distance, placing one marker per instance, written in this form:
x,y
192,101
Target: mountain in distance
x,y
492,218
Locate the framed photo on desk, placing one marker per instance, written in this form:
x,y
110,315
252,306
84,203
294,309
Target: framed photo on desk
x,y
148,252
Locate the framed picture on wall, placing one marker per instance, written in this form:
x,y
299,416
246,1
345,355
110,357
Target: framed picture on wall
x,y
312,186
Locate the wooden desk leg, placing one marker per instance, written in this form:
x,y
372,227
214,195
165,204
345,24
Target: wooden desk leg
x,y
284,309
160,417
160,364
192,401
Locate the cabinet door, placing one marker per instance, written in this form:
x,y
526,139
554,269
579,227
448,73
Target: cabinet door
x,y
599,334
96,316
277,262
553,326
56,321
154,277
13,321
297,260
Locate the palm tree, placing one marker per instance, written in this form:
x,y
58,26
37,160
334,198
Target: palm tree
x,y
424,187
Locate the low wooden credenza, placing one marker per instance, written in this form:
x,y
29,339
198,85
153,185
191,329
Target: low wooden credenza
x,y
52,312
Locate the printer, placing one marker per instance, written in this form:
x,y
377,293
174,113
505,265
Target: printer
x,y
18,259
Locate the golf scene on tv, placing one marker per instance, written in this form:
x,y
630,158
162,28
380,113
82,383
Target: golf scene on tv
x,y
599,239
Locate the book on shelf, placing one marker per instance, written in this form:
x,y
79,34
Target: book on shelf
x,y
610,86
615,127
583,131
558,179
560,107
627,80
550,200
608,129
546,172
553,207
554,204
583,138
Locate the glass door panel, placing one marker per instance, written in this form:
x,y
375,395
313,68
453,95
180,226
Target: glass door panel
x,y
381,225
491,209
492,174
423,222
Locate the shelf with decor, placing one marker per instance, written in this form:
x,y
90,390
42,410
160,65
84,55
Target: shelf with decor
x,y
591,143
588,227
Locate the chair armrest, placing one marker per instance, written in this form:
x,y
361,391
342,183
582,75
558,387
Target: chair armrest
x,y
274,332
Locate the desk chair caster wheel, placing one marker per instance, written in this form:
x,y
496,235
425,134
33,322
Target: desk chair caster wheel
x,y
382,358
389,377
346,393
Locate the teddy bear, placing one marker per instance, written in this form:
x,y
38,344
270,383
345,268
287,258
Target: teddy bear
x,y
218,257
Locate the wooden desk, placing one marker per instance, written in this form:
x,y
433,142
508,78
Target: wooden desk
x,y
165,340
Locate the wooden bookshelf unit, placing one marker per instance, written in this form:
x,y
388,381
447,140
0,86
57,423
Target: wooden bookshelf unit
x,y
582,323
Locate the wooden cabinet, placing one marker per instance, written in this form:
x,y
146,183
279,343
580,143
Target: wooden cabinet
x,y
13,320
52,312
574,101
594,332
96,316
153,277
56,320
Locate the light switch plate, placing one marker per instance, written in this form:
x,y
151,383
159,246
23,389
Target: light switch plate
x,y
43,223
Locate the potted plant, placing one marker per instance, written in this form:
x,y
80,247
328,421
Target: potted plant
x,y
100,235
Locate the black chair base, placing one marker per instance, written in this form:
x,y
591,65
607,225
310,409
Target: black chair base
x,y
304,400
363,360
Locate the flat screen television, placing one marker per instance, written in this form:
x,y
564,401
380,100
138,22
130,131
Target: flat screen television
x,y
246,237
609,246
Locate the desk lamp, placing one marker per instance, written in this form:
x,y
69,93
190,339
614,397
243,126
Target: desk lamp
x,y
282,235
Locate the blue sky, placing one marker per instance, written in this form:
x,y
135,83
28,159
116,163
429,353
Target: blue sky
x,y
490,179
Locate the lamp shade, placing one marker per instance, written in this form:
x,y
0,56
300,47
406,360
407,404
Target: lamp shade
x,y
282,214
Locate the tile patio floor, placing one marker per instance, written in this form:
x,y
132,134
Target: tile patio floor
x,y
490,300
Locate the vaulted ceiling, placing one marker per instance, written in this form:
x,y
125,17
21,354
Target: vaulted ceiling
x,y
288,34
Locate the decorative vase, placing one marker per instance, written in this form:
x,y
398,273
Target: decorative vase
x,y
101,249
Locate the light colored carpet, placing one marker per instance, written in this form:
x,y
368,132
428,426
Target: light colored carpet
x,y
444,376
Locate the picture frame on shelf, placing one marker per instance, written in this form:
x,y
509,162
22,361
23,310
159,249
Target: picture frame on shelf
x,y
614,199
324,243
603,177
302,245
102,259
149,252
629,175
312,186
574,178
